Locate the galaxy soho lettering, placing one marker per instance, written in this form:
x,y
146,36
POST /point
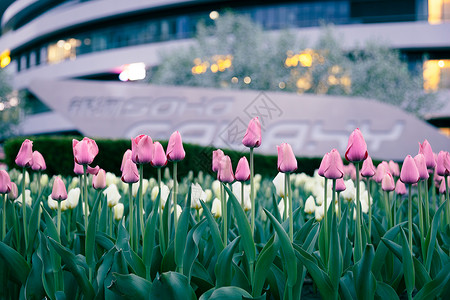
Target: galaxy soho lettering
x,y
213,124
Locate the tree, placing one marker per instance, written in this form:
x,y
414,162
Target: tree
x,y
236,53
10,110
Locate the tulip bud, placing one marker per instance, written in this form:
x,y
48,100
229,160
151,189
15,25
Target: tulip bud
x,y
242,170
310,205
225,173
278,182
216,208
118,211
421,165
252,137
126,156
426,150
59,191
287,162
52,204
387,184
368,169
356,148
99,180
334,168
381,170
400,188
175,150
28,199
84,151
443,163
130,173
24,158
112,195
38,162
14,192
73,196
5,182
340,185
318,213
409,173
394,168
141,149
217,157
159,158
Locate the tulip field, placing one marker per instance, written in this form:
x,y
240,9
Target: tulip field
x,y
350,231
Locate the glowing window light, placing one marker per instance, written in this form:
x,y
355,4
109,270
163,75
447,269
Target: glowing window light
x,y
132,72
435,11
5,58
431,75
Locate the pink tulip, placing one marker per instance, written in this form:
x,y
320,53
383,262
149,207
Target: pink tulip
x,y
409,173
14,192
323,165
25,156
388,184
334,168
130,172
350,171
126,156
78,169
340,185
437,178
59,191
225,173
38,162
141,149
442,185
426,150
443,163
368,169
84,151
381,170
400,188
252,137
159,158
421,165
175,150
99,180
5,182
243,170
356,148
394,168
286,159
217,157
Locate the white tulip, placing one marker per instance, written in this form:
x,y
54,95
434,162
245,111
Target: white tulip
x,y
350,192
52,204
135,187
88,212
209,195
74,183
179,211
112,195
118,211
216,209
197,194
27,178
310,205
73,196
318,213
216,188
281,207
237,191
28,199
278,182
111,178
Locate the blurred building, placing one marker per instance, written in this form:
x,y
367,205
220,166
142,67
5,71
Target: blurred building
x,y
117,40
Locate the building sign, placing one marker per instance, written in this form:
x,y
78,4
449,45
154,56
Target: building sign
x,y
312,124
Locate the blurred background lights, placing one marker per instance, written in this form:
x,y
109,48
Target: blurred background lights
x,y
213,15
5,58
247,80
234,79
131,72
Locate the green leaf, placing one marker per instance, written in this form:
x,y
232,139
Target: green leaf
x,y
191,252
181,234
408,266
382,250
335,255
213,228
90,234
104,240
51,228
226,293
131,286
34,288
223,269
33,225
263,263
149,236
18,267
430,240
433,288
244,228
287,249
365,283
172,285
77,271
48,277
321,279
385,292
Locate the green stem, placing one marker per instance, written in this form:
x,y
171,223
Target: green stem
x,y
141,200
339,206
59,219
419,204
447,198
333,198
4,218
131,215
325,215
285,200
24,211
410,218
110,214
174,194
291,220
69,217
427,207
161,225
252,194
85,199
224,216
358,235
387,208
242,195
370,207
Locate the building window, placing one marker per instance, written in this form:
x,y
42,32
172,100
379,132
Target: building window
x,y
438,11
436,74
